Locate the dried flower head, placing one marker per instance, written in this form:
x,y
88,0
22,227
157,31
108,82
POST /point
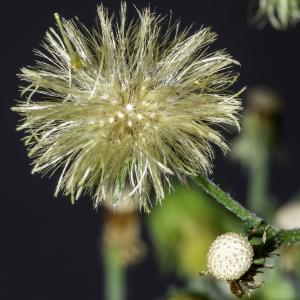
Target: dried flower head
x,y
230,256
126,104
280,13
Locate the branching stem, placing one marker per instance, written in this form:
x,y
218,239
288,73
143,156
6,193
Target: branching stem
x,y
251,221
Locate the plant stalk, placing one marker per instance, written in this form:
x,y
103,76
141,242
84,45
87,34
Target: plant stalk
x,y
251,221
114,275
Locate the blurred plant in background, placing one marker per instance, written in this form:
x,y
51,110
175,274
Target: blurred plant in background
x,y
255,146
281,14
176,295
184,229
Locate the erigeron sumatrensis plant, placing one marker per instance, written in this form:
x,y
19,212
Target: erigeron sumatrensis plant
x,y
126,104
124,107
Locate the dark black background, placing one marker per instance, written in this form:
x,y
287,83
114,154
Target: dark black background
x,y
49,247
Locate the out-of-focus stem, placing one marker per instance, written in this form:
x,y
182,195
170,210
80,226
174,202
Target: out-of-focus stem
x,y
114,275
258,196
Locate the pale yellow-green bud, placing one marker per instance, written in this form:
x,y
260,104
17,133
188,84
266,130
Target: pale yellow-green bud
x,y
230,256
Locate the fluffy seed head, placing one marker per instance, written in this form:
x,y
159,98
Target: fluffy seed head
x,y
230,256
126,104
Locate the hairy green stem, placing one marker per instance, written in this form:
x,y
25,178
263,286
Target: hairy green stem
x,y
227,201
251,221
114,275
290,237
